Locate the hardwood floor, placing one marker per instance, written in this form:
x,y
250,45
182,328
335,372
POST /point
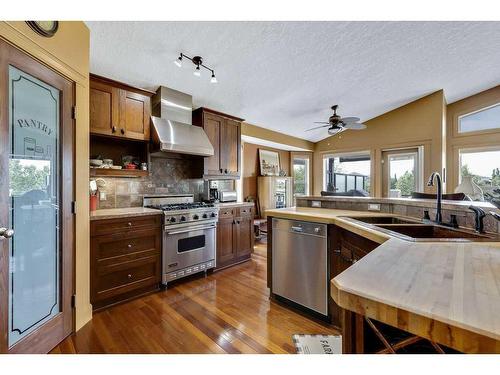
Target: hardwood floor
x,y
227,312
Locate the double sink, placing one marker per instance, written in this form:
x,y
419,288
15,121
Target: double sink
x,y
418,230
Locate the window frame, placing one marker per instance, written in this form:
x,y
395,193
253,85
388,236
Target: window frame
x,y
471,150
459,116
329,155
307,175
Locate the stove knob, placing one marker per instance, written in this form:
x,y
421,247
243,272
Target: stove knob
x,y
205,216
183,218
172,220
195,217
212,214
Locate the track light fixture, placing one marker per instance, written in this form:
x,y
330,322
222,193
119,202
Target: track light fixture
x,y
198,62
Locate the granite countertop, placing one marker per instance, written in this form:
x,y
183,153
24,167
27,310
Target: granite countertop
x,y
406,201
114,213
448,292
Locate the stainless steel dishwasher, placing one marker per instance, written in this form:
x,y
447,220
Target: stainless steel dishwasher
x,y
300,263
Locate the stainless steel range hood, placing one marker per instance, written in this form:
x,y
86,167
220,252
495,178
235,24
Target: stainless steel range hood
x,y
172,129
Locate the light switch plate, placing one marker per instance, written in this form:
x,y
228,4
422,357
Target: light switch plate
x,y
316,204
102,196
373,207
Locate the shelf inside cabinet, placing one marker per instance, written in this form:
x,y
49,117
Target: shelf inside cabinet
x,y
102,172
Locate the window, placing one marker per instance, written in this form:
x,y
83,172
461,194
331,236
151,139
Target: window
x,y
484,119
479,174
401,173
343,173
300,176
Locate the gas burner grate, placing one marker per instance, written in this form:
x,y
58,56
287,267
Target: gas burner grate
x,y
181,206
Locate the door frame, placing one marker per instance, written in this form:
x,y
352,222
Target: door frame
x,y
48,335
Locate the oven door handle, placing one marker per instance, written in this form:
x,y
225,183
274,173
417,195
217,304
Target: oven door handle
x,y
191,229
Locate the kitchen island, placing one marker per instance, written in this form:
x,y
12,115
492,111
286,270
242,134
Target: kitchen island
x,y
444,293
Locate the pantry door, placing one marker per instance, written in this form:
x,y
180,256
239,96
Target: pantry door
x,y
36,195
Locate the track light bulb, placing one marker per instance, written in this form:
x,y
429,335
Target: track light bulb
x,y
213,80
178,62
197,71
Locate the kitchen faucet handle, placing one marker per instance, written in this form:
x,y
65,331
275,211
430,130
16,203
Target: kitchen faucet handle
x,y
479,216
477,210
495,215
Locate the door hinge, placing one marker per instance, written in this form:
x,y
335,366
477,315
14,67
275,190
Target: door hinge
x,y
73,112
73,207
73,301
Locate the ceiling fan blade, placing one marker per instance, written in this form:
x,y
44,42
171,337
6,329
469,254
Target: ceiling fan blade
x,y
355,126
347,120
320,122
318,127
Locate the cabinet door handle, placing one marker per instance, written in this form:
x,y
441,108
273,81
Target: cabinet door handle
x,y
129,246
336,251
129,224
129,275
122,131
113,129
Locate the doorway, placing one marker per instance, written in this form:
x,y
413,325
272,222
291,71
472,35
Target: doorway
x,y
401,172
36,198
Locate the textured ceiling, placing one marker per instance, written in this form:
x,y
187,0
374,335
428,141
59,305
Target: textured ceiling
x,y
286,75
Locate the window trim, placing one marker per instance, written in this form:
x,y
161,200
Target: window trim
x,y
307,176
328,155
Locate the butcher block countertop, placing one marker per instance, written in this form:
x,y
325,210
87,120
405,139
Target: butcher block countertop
x,y
115,213
448,292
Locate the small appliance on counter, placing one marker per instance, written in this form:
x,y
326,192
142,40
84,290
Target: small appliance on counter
x,y
219,191
228,196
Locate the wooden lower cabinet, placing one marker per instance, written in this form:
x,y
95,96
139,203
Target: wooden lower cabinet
x,y
235,237
346,248
125,259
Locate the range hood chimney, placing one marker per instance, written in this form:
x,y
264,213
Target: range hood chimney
x,y
172,128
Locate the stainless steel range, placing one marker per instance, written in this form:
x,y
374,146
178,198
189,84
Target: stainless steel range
x,y
188,235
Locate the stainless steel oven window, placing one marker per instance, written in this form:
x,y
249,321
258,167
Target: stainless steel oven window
x,y
191,243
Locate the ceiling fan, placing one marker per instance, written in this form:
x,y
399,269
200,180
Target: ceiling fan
x,y
337,124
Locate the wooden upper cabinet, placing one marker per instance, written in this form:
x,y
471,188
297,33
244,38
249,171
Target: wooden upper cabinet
x,y
119,110
135,113
230,147
104,103
224,132
212,125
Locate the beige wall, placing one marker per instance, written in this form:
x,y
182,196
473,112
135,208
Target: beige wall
x,y
251,167
68,53
480,139
270,135
419,123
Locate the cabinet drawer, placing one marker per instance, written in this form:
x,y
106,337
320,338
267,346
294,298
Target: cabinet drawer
x,y
112,246
110,226
120,278
246,211
226,212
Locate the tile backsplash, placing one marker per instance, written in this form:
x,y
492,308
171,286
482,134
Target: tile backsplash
x,y
167,176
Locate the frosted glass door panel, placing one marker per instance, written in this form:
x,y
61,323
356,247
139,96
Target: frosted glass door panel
x,y
34,277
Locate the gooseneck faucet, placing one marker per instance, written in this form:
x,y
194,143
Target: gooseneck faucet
x,y
435,175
